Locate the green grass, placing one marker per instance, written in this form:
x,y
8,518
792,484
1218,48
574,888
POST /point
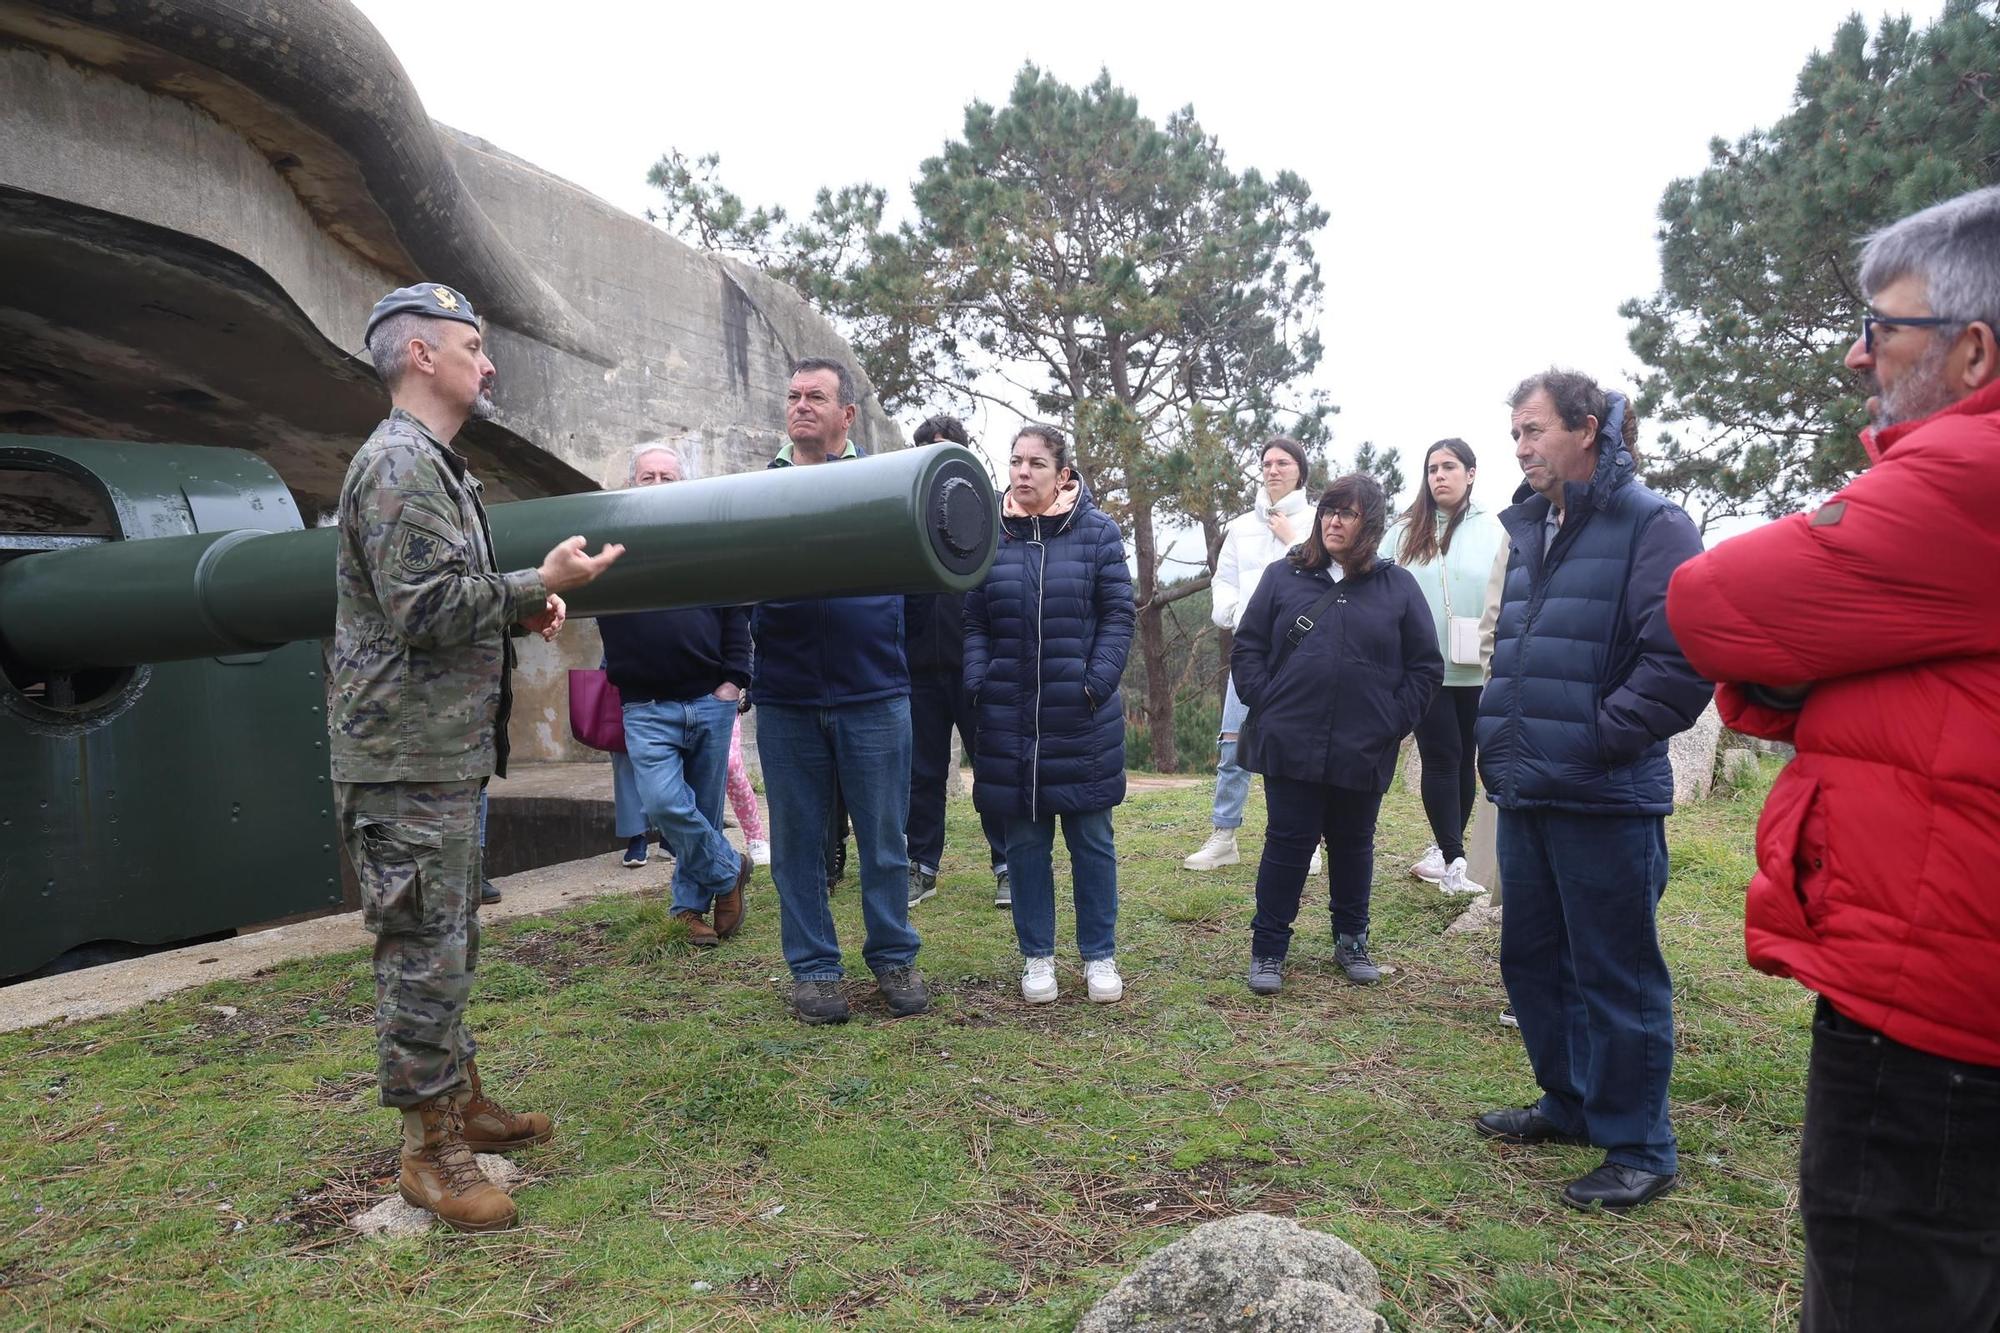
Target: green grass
x,y
984,1166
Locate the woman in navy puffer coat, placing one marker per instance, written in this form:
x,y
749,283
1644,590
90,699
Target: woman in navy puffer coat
x,y
1325,721
1045,643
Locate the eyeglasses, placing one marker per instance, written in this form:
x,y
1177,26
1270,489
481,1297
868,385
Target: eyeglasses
x,y
1871,321
1344,515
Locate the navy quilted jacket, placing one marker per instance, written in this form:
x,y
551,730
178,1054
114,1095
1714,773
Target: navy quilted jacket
x,y
1588,682
1045,643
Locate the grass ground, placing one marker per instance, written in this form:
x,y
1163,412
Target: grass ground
x,y
719,1166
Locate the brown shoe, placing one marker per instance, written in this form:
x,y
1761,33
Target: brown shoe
x,y
491,1127
700,934
440,1176
729,907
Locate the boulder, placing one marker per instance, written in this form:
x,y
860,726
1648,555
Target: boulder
x,y
1482,914
1253,1273
1693,755
1737,766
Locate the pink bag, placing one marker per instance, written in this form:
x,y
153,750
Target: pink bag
x,y
596,714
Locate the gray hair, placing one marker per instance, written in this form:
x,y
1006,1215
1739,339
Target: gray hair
x,y
806,365
389,345
1953,246
639,451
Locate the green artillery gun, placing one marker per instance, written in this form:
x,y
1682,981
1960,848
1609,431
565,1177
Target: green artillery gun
x,y
162,703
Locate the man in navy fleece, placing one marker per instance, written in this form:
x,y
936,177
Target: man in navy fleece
x,y
680,674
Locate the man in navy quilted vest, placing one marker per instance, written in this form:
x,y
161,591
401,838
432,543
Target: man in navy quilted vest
x,y
1587,686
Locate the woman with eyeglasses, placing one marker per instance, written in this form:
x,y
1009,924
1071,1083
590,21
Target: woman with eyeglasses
x,y
1337,657
1447,541
1045,643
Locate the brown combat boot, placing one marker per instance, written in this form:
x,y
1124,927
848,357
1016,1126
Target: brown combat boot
x,y
729,907
440,1176
491,1127
700,934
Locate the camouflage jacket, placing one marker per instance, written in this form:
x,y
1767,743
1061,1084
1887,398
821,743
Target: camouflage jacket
x,y
421,656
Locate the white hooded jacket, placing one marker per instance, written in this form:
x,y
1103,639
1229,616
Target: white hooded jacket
x,y
1248,548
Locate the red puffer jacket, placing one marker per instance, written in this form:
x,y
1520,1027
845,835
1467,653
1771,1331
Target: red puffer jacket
x,y
1878,852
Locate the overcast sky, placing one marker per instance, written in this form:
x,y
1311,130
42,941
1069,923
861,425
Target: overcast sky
x,y
1491,171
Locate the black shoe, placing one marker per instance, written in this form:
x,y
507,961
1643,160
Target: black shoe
x,y
1350,955
923,884
487,893
837,871
819,1002
1267,975
1617,1188
904,990
1523,1124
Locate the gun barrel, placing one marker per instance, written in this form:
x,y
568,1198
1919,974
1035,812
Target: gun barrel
x,y
914,520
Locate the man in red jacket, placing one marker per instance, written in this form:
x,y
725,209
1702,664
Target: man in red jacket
x,y
1868,634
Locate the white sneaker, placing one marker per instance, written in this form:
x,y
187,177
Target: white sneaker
x,y
1432,866
760,851
1101,976
1454,880
1318,862
1218,851
1038,980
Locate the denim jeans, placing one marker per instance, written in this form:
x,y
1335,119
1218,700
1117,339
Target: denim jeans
x,y
1093,869
1232,783
1899,1185
1301,814
811,755
937,705
628,812
1580,953
680,759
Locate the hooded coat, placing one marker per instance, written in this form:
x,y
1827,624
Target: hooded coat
x,y
1588,682
1045,642
1876,847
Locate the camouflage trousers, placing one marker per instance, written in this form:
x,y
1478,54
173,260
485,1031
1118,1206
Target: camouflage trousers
x,y
415,848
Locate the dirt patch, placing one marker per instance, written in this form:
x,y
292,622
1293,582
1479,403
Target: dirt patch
x,y
557,955
320,1212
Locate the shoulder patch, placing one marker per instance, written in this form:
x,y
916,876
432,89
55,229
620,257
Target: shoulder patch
x,y
420,550
1829,514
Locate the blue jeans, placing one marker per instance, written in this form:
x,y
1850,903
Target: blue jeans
x,y
1093,865
628,811
1232,784
680,758
867,745
1580,954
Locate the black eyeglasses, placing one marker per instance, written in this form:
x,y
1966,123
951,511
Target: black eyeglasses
x,y
1344,515
1872,321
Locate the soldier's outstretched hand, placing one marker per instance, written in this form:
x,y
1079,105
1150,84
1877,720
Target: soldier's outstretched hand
x,y
548,621
566,566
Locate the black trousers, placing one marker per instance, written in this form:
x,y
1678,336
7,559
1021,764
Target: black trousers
x,y
1299,815
1444,743
1899,1185
937,705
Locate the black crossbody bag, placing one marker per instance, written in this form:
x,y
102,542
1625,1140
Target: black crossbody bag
x,y
1300,628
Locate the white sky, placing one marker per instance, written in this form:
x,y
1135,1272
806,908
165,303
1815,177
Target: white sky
x,y
1491,171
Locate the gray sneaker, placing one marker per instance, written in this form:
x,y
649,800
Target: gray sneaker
x,y
819,1002
1350,955
1003,888
923,884
904,990
1267,975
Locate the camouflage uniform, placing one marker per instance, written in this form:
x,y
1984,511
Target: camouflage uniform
x,y
419,722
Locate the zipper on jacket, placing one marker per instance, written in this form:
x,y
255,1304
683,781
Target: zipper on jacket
x,y
1035,754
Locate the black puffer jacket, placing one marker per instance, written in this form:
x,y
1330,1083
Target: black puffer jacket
x,y
1350,691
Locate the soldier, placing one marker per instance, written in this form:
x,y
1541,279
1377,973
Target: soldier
x,y
419,723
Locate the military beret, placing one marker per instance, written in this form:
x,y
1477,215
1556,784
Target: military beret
x,y
426,298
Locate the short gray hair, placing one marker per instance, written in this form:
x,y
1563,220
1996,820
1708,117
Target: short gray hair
x,y
389,345
639,451
806,365
1953,246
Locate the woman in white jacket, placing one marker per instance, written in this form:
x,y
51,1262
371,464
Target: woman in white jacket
x,y
1281,520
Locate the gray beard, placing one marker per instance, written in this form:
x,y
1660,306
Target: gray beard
x,y
1921,391
482,406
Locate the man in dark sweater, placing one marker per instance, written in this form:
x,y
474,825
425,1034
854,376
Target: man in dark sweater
x,y
938,703
680,674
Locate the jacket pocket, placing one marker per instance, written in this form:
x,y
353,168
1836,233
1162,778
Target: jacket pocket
x,y
391,859
1791,845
